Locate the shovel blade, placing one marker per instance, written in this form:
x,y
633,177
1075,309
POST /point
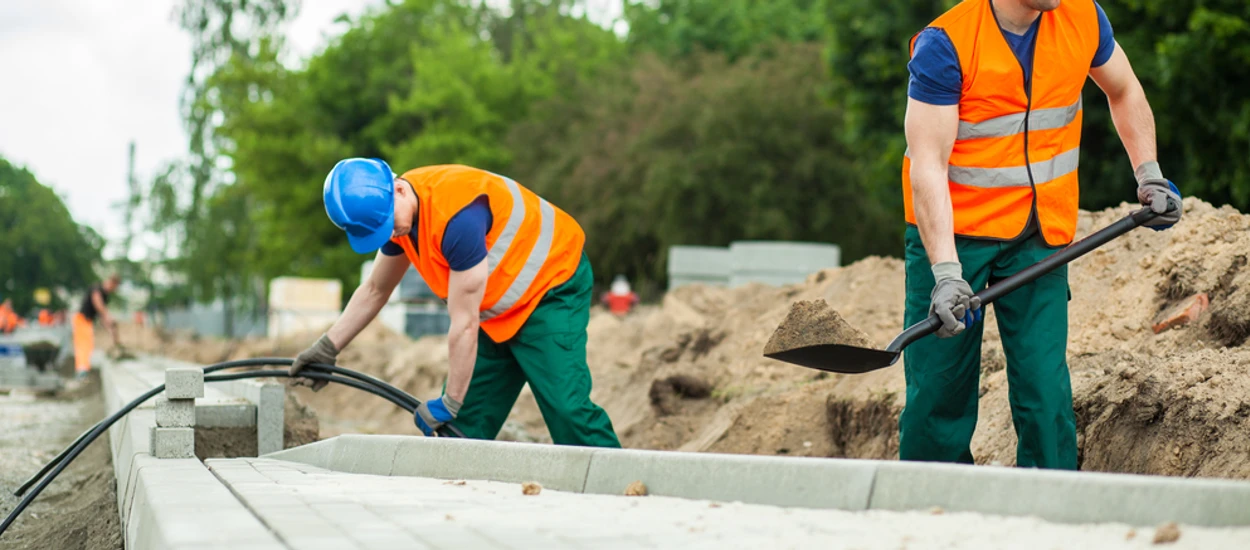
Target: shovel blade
x,y
837,358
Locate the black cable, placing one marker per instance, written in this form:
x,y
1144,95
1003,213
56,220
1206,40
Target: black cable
x,y
318,372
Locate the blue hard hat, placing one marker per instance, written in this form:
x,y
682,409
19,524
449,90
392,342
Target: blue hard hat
x,y
360,199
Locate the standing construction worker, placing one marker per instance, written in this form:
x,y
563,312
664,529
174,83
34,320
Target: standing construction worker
x,y
8,318
94,306
990,187
517,284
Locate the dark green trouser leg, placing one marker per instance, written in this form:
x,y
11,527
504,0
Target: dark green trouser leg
x,y
550,353
496,382
551,350
943,375
1033,323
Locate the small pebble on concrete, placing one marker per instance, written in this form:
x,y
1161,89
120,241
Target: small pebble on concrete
x,y
636,489
531,488
1167,533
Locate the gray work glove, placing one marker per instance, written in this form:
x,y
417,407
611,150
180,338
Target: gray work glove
x,y
322,351
1159,194
952,300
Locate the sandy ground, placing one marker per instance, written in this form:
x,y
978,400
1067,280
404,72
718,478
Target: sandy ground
x,y
689,374
79,509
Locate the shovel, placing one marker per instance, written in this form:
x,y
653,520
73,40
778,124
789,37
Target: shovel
x,y
855,360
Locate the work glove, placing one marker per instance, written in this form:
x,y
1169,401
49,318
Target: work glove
x,y
952,300
431,415
1160,195
322,351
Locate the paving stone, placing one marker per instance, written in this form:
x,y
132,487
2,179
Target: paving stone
x,y
184,382
175,413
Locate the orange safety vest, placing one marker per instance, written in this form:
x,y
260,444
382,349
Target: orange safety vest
x,y
1018,144
532,246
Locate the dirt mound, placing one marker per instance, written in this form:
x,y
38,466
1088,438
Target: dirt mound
x,y
690,374
810,323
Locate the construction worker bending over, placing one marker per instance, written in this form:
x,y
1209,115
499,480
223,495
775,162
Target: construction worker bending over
x,y
517,285
990,187
94,306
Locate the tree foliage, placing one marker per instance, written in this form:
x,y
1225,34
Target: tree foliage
x,y
40,244
708,121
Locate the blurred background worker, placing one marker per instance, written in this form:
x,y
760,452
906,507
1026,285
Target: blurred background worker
x,y
517,282
94,306
620,299
8,317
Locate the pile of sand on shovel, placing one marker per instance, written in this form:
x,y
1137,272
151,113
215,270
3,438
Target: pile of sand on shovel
x,y
813,322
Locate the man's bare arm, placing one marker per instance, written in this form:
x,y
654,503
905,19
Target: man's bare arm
x,y
368,299
465,290
1130,110
931,131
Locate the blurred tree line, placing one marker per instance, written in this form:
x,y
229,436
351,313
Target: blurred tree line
x,y
693,122
41,246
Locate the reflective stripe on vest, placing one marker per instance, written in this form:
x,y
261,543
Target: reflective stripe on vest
x,y
1017,176
537,256
1010,125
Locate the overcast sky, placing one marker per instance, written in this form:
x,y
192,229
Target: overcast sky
x,y
80,79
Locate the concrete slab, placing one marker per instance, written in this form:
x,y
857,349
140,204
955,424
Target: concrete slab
x,y
184,382
323,509
806,482
556,467
179,504
224,413
1067,497
313,454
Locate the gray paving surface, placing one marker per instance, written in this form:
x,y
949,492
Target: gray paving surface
x,y
309,508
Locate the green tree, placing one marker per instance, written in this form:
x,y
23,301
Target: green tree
x,y
418,82
1193,58
677,28
705,152
40,244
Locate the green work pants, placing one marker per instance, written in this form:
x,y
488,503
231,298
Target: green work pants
x,y
943,374
549,352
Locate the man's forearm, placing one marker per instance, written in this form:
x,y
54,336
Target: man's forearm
x,y
1135,122
931,199
365,304
462,356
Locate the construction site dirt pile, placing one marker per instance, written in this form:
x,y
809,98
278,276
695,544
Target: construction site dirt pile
x,y
690,374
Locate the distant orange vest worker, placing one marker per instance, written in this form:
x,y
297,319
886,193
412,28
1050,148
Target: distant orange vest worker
x,y
532,246
1018,143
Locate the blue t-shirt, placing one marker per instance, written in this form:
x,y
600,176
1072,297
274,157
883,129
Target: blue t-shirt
x,y
464,242
936,78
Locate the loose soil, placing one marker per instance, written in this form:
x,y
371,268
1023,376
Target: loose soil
x,y
79,509
690,374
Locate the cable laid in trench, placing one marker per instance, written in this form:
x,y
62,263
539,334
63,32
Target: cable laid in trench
x,y
360,381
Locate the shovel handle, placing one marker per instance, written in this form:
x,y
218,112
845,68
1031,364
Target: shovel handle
x,y
1031,273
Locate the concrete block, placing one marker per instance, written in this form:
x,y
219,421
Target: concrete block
x,y
173,442
269,397
175,413
184,382
777,481
561,468
1064,497
228,413
270,418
